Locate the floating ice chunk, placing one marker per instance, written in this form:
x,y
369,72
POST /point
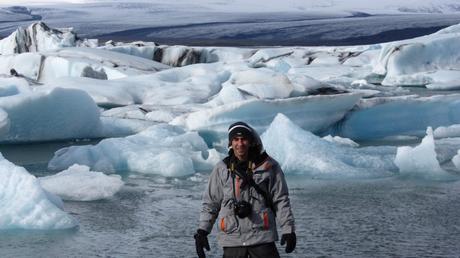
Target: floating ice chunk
x,y
262,83
27,64
12,86
420,159
340,140
161,149
366,58
303,84
456,160
400,61
265,55
37,37
447,131
408,115
24,204
4,122
314,113
325,59
228,94
50,114
300,151
78,183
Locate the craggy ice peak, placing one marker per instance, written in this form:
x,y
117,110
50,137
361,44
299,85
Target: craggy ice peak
x,y
35,38
25,205
299,151
421,159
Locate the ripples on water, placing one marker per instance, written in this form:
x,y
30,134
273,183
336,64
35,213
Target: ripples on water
x,y
156,217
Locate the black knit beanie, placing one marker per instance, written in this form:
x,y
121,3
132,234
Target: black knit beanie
x,y
239,129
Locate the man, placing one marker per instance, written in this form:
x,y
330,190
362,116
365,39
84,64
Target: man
x,y
245,192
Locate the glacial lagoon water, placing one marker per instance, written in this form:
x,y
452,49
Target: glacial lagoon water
x,y
154,216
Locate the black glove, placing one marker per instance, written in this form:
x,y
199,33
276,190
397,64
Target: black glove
x,y
201,241
291,241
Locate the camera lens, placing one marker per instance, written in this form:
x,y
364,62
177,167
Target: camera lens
x,y
242,209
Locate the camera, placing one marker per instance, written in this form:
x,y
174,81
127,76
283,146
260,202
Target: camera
x,y
242,209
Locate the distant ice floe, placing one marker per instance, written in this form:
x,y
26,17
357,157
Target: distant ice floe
x,y
78,183
161,149
302,152
429,60
420,160
25,205
447,131
378,118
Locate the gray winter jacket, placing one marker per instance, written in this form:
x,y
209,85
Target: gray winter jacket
x,y
260,226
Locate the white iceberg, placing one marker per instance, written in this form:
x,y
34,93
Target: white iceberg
x,y
299,151
379,118
53,114
25,205
78,183
161,149
412,62
421,159
35,38
313,113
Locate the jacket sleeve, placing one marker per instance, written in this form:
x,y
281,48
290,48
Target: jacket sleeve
x,y
281,203
212,198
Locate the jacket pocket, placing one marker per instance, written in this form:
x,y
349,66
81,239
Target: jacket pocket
x,y
263,220
228,224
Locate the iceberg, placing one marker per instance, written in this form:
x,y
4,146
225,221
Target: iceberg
x,y
301,152
49,114
78,183
456,160
36,38
25,205
77,62
313,113
185,85
160,149
379,118
412,62
421,159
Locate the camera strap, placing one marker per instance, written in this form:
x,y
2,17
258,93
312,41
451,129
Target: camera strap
x,y
250,181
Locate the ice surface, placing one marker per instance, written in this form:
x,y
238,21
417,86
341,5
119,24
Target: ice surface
x,y
341,141
314,113
78,183
161,149
456,160
447,131
25,205
35,38
50,115
408,115
302,152
421,159
413,62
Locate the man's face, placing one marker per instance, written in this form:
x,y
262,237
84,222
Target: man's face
x,y
240,147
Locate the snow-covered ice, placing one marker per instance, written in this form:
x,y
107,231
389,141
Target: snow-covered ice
x,y
78,183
